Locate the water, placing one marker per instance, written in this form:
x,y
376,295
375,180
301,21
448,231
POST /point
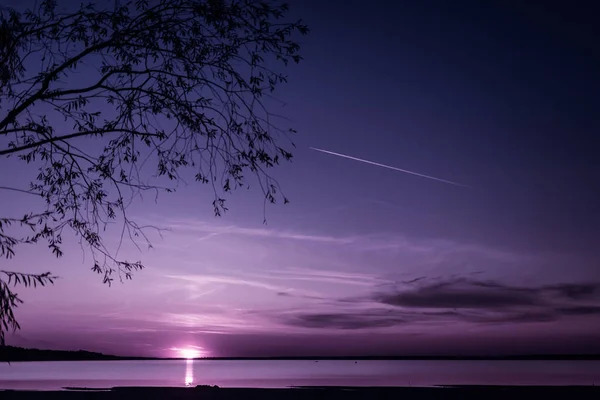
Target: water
x,y
106,374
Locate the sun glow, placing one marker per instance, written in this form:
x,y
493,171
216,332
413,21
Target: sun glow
x,y
189,353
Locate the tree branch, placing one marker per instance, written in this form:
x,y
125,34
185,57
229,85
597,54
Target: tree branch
x,y
72,136
10,117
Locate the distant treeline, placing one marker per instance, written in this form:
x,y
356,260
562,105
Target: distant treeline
x,y
11,353
428,357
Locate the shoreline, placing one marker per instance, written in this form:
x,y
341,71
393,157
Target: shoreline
x,y
22,354
590,357
304,392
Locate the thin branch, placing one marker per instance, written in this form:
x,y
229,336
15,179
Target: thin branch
x,y
72,136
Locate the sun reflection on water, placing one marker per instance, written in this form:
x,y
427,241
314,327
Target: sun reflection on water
x,y
189,372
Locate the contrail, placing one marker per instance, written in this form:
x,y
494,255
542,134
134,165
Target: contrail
x,y
388,166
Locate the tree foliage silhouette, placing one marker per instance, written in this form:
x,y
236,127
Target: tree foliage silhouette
x,y
170,86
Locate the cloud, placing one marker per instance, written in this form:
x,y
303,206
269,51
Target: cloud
x,y
255,281
461,294
218,229
432,248
452,301
201,322
373,319
509,317
579,310
207,278
473,294
493,302
358,280
385,318
341,277
575,291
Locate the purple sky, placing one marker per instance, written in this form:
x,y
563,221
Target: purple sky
x,y
367,260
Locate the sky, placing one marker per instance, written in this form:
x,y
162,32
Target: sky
x,y
500,97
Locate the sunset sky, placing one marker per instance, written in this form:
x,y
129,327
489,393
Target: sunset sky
x,y
502,98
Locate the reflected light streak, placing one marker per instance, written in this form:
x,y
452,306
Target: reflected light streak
x,y
189,372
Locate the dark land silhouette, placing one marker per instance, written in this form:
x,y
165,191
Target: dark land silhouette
x,y
12,353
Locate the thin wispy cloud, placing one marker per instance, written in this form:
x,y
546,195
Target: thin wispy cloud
x,y
217,229
390,241
256,281
331,276
229,280
252,259
207,322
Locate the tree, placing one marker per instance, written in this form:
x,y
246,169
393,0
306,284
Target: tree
x,y
172,87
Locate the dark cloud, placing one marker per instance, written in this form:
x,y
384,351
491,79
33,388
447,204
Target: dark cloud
x,y
414,280
455,300
368,319
579,310
461,294
383,318
301,296
471,294
490,317
510,317
575,291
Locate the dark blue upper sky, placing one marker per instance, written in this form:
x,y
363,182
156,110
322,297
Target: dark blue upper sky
x,y
500,95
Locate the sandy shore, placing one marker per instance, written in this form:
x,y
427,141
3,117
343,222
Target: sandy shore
x,y
203,393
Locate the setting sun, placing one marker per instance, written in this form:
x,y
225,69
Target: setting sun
x,y
189,353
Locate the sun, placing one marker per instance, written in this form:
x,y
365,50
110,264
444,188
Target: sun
x,y
189,353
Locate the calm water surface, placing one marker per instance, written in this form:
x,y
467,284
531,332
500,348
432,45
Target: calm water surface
x,y
100,374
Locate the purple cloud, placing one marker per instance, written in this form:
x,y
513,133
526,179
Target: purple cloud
x,y
457,300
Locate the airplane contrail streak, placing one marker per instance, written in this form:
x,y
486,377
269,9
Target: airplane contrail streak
x,y
388,167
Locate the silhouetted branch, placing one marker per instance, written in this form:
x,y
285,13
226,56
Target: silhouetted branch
x,y
171,86
9,300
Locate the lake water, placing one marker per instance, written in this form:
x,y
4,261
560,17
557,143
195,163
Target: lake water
x,y
106,374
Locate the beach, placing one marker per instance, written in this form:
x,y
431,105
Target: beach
x,y
215,393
